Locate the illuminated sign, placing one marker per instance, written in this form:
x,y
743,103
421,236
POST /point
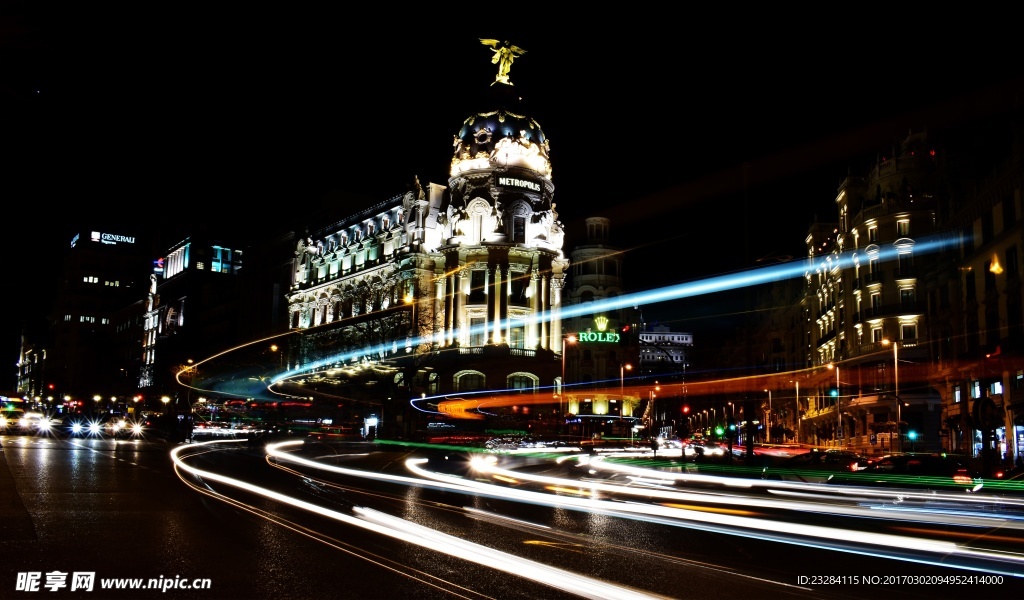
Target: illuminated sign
x,y
158,266
519,183
111,238
599,336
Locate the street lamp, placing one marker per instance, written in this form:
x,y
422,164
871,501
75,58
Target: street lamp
x,y
839,413
622,378
768,417
569,339
654,409
896,388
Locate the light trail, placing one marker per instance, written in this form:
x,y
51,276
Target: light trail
x,y
711,285
407,531
881,545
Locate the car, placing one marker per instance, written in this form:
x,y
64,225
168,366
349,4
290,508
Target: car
x,y
934,471
10,420
815,466
33,423
702,448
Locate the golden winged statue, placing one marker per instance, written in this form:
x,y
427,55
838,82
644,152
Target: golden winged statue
x,y
504,54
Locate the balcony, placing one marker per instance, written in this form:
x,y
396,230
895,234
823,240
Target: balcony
x,y
875,277
892,310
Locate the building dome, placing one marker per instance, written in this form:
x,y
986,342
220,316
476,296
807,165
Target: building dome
x,y
501,138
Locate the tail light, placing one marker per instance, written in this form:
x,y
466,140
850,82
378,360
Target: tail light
x,y
963,478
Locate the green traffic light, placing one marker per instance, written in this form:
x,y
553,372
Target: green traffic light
x,y
834,392
912,435
718,430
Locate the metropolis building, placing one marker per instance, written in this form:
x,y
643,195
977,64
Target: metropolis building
x,y
444,290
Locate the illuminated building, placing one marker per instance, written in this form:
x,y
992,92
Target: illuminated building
x,y
915,295
447,288
195,307
77,358
863,285
602,364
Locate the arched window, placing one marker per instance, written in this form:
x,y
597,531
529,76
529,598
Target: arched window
x,y
523,382
468,381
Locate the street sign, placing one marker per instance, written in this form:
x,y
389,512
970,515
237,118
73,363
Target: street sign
x,y
874,439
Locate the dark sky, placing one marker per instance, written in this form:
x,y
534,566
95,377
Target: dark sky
x,y
710,142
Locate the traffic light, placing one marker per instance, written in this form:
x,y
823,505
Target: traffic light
x,y
912,435
833,392
719,430
732,425
686,409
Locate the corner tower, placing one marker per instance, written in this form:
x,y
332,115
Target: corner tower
x,y
501,236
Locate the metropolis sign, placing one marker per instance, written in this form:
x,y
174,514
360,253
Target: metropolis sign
x,y
520,183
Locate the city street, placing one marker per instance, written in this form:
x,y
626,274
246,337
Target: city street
x,y
293,519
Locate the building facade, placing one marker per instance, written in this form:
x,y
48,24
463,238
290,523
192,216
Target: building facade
x,y
603,392
75,364
911,317
447,289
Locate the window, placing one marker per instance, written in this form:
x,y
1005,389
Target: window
x,y
903,228
476,331
906,261
873,234
908,332
466,382
477,285
522,382
876,335
907,298
876,302
519,230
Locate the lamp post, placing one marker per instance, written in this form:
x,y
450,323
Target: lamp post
x,y
839,413
768,417
896,389
569,339
622,378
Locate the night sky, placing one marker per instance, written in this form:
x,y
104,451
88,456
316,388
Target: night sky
x,y
155,119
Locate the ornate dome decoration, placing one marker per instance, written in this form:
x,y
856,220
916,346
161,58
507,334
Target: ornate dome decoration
x,y
501,139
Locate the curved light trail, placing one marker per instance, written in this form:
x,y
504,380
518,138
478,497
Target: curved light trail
x,y
650,495
407,531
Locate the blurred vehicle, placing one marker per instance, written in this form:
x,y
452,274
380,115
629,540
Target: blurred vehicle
x,y
10,420
702,448
916,470
337,433
82,425
32,423
816,466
